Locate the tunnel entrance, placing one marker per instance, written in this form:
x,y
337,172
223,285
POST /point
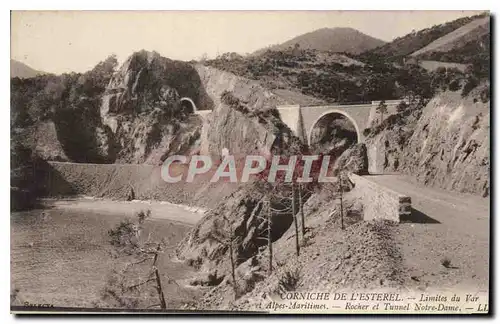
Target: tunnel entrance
x,y
188,106
333,133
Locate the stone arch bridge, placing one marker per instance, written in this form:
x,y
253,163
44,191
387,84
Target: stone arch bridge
x,y
303,119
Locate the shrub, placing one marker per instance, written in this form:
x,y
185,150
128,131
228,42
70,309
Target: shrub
x,y
401,106
446,262
229,99
143,215
290,279
470,84
454,85
485,94
122,234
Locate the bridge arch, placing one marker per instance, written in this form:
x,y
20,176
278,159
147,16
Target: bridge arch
x,y
190,102
334,112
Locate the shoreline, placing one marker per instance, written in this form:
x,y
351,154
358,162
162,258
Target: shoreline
x,y
159,209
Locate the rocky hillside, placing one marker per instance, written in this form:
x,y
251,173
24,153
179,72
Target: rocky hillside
x,y
459,37
338,39
57,117
444,143
329,258
412,42
141,106
134,113
244,118
330,77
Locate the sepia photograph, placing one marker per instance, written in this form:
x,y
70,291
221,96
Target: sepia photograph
x,y
250,162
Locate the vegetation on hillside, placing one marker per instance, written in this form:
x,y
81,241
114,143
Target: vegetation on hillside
x,y
405,45
330,76
386,72
476,53
46,96
321,75
339,39
71,100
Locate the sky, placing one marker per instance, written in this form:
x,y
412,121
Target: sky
x,y
65,41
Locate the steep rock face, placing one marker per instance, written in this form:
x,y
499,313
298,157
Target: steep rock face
x,y
48,147
141,113
450,145
242,217
243,134
446,144
142,107
354,159
386,141
251,92
254,129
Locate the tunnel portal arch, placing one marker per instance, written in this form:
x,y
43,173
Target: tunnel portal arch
x,y
334,112
191,102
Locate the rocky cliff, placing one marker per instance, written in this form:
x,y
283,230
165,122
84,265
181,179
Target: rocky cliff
x,y
142,107
141,112
244,119
444,143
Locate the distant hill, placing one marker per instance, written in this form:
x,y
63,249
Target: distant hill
x,y
21,70
415,41
346,40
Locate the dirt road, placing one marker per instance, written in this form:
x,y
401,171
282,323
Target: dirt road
x,y
444,225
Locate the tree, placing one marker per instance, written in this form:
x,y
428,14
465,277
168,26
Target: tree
x,y
203,58
129,286
402,106
301,210
382,109
269,236
341,197
295,223
223,233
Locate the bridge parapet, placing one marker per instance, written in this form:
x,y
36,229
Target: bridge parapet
x,y
380,202
388,102
203,113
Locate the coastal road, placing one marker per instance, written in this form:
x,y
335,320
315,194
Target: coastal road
x,y
463,212
444,225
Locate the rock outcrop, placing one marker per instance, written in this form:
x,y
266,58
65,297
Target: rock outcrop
x,y
142,107
444,144
242,217
254,129
354,160
140,112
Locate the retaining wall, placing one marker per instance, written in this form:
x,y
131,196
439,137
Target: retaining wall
x,y
380,202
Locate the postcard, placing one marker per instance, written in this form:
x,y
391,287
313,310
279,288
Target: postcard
x,y
250,162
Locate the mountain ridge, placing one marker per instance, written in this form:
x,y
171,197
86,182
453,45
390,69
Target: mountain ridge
x,y
338,39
